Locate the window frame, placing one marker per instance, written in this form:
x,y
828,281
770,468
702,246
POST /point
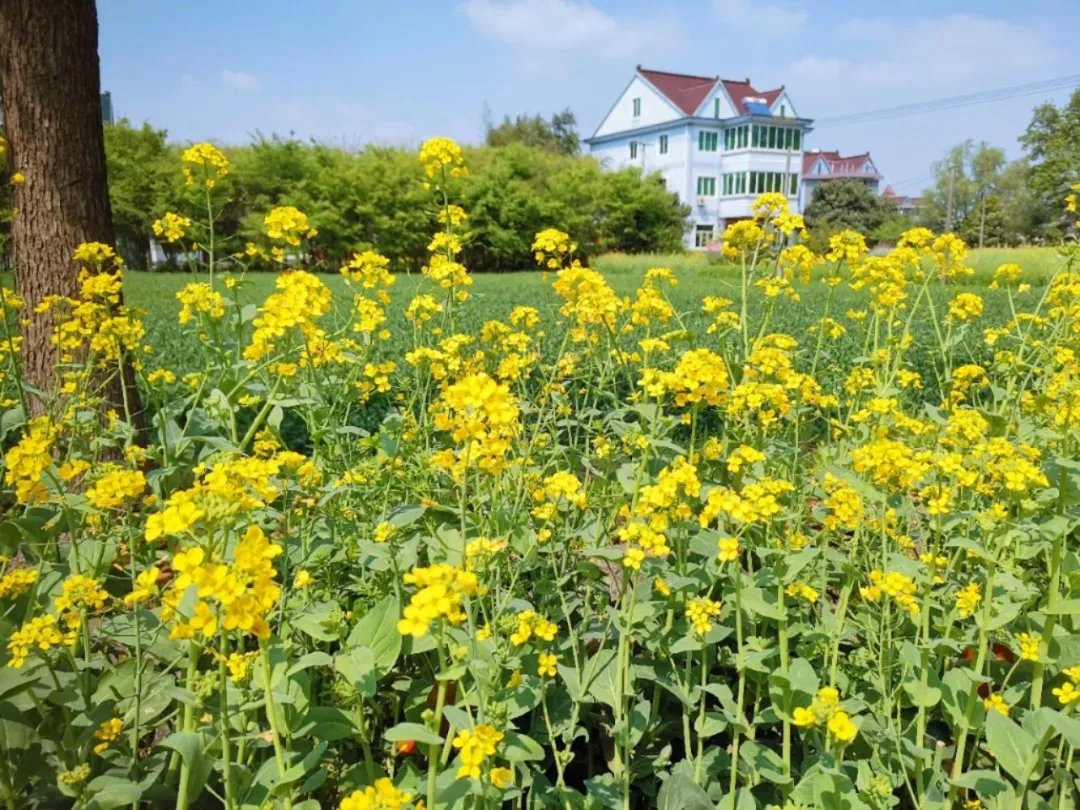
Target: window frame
x,y
708,231
633,150
636,106
662,145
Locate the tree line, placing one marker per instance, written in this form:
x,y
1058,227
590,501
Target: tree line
x,y
374,197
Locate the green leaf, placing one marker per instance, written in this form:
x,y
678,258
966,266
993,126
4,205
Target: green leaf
x,y
600,676
315,622
755,605
188,744
109,792
404,732
679,792
520,748
357,666
377,631
1012,747
765,762
985,783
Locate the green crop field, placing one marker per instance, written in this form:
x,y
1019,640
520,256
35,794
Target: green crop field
x,y
494,295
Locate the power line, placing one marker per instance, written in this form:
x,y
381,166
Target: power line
x,y
953,102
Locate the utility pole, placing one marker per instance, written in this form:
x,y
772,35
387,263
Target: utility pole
x,y
949,202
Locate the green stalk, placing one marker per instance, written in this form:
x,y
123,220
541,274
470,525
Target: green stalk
x,y
733,782
182,798
272,716
980,661
226,751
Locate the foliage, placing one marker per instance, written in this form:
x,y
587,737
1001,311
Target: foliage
x,y
846,204
1054,151
559,134
373,198
142,184
602,552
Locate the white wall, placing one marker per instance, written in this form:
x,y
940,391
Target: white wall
x,y
708,106
655,109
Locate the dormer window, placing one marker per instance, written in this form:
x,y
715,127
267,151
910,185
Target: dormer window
x,y
637,107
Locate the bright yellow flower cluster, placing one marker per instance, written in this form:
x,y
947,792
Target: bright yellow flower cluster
x,y
288,224
16,582
422,308
171,227
700,377
40,633
756,502
383,795
825,710
115,488
198,297
965,307
214,165
300,301
844,503
108,733
700,612
968,599
896,586
442,154
450,275
476,747
590,301
530,624
481,416
239,596
369,269
560,487
551,248
443,590
27,462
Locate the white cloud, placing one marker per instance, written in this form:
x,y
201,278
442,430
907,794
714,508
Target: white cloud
x,y
238,80
953,50
567,26
762,19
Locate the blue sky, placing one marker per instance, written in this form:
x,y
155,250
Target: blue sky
x,y
399,71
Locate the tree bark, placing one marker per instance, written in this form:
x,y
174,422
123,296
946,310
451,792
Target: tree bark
x,y
51,94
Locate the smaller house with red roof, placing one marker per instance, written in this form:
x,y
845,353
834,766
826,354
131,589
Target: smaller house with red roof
x,y
717,143
819,167
904,204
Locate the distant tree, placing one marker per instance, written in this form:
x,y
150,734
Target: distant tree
x,y
980,178
963,179
985,224
846,203
1053,148
559,134
141,184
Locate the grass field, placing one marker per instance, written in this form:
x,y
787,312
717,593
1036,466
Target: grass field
x,y
495,295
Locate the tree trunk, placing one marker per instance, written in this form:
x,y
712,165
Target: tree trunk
x,y
51,94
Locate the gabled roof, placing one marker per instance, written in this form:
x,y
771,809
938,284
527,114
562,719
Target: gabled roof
x,y
687,92
740,91
839,165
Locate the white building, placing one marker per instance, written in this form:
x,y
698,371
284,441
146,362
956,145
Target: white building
x,y
819,167
717,143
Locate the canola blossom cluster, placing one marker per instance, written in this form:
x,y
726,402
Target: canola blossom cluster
x,y
804,539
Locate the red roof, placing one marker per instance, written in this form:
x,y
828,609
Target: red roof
x,y
838,165
688,92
